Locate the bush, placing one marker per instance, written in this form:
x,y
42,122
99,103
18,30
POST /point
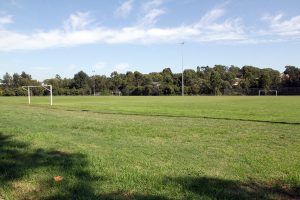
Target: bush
x,y
9,92
20,92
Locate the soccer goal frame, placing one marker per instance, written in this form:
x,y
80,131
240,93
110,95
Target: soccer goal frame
x,y
266,91
46,87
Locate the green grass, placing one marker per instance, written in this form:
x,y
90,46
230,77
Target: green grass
x,y
150,148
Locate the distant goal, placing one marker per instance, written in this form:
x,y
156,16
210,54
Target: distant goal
x,y
267,92
46,87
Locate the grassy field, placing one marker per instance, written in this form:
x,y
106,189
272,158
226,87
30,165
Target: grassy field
x,y
150,148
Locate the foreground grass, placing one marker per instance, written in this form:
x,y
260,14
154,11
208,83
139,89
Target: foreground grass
x,y
142,151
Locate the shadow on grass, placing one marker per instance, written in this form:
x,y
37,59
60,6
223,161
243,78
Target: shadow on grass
x,y
189,117
18,162
214,188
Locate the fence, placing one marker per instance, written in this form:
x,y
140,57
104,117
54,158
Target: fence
x,y
254,91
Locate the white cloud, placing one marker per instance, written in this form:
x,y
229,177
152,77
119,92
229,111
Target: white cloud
x,y
211,16
151,4
80,32
151,17
212,27
150,12
77,21
7,19
278,25
125,9
121,67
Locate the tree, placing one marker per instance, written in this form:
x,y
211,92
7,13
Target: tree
x,y
16,80
25,79
116,81
57,76
167,76
274,77
265,80
292,76
7,79
205,80
222,70
26,76
148,90
156,77
81,80
167,89
190,77
100,83
138,78
235,70
215,82
250,75
147,80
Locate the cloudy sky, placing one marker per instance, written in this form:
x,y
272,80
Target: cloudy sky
x,y
48,37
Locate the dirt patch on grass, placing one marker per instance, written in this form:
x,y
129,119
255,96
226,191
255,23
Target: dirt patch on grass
x,y
25,190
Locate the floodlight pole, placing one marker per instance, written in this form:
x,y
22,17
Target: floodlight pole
x,y
182,83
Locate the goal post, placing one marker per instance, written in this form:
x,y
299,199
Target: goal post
x,y
46,87
266,92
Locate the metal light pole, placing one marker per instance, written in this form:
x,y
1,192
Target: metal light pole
x,y
182,83
94,82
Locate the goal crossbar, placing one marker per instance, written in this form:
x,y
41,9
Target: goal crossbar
x,y
265,91
46,87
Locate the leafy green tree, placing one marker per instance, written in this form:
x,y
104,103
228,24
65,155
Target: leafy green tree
x,y
269,78
250,76
16,80
167,76
116,81
167,89
26,76
147,80
292,76
156,77
20,92
215,82
8,92
138,78
190,77
235,70
101,83
81,80
25,79
129,78
205,80
195,89
148,90
265,80
7,79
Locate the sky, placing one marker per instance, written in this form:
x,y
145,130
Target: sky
x,y
49,37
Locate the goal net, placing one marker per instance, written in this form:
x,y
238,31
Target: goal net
x,y
267,92
46,87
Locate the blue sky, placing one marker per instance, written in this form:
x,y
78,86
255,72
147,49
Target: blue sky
x,y
51,37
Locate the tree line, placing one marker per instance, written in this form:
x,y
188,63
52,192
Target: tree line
x,y
204,80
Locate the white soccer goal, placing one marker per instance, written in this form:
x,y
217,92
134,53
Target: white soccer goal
x,y
46,87
265,92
